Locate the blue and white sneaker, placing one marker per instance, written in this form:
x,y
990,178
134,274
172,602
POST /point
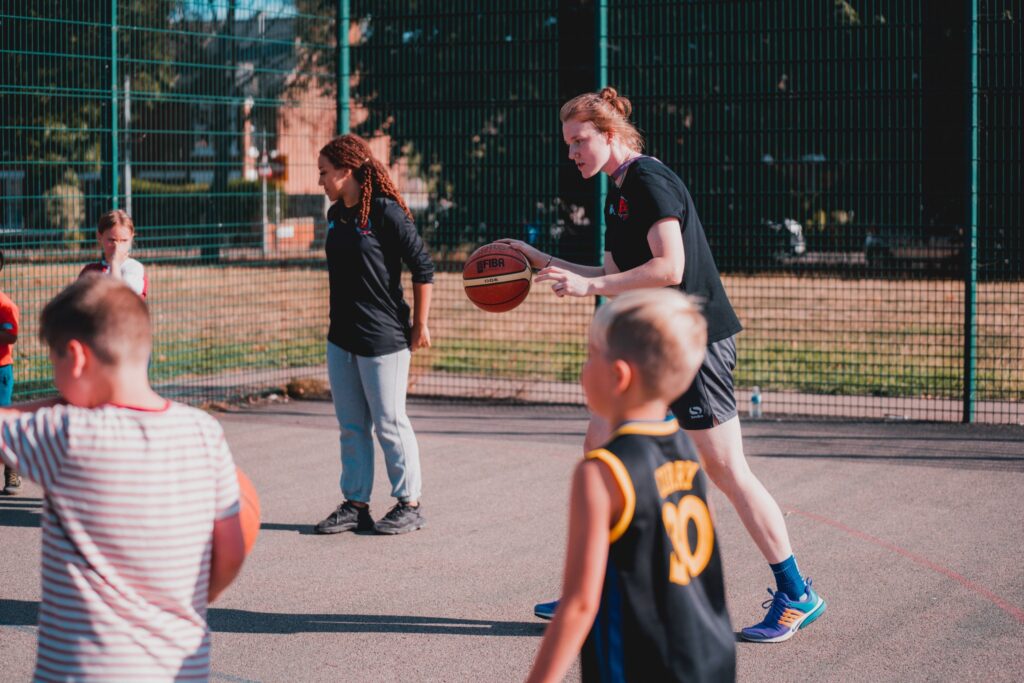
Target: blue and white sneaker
x,y
545,610
785,617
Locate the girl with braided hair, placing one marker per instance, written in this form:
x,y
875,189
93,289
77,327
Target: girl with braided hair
x,y
370,233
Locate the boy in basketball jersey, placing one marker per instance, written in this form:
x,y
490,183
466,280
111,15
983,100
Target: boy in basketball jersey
x,y
643,594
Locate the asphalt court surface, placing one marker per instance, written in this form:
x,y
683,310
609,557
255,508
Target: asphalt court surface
x,y
913,533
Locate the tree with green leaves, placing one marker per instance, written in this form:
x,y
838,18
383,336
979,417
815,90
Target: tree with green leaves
x,y
55,100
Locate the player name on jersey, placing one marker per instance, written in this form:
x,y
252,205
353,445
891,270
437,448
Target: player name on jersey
x,y
675,476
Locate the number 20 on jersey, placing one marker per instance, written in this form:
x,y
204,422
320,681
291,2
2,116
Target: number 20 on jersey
x,y
687,563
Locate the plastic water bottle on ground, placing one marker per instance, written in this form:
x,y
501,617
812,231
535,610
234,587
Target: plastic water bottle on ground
x,y
755,403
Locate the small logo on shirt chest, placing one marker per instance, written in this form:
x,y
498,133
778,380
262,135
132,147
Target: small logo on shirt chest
x,y
366,229
622,210
363,231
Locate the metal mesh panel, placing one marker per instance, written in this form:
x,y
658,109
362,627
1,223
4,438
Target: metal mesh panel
x,y
1000,349
801,130
462,98
54,97
827,146
174,111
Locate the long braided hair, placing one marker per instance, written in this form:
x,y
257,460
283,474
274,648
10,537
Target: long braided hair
x,y
351,151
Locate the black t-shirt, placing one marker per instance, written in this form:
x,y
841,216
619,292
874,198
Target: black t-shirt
x,y
662,615
369,315
649,193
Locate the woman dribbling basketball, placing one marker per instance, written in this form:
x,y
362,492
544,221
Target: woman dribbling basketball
x,y
655,239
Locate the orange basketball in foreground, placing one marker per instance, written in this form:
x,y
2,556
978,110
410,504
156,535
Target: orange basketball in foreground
x,y
249,512
497,277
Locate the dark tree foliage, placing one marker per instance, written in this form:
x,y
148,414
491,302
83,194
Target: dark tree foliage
x,y
57,70
466,92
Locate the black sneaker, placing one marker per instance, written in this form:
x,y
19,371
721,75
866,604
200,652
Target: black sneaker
x,y
400,519
12,481
346,517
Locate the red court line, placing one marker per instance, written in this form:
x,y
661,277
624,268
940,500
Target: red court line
x,y
1014,611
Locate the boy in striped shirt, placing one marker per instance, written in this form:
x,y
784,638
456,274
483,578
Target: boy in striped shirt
x,y
140,521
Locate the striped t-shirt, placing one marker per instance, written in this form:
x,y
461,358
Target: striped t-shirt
x,y
131,499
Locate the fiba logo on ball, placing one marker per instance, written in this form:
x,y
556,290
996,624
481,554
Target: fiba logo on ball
x,y
489,264
496,277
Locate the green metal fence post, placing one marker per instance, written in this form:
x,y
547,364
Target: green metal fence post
x,y
600,81
343,67
971,233
114,153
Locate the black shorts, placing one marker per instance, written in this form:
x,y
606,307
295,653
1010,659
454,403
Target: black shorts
x,y
710,400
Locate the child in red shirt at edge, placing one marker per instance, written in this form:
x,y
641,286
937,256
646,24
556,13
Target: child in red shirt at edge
x,y
9,317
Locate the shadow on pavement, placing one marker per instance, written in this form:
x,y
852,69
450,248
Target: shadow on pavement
x,y
26,613
950,461
19,612
23,512
303,529
242,621
872,438
575,433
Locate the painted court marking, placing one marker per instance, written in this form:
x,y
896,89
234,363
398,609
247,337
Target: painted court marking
x,y
1014,611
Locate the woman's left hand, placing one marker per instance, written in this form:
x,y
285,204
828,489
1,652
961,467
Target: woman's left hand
x,y
564,282
420,337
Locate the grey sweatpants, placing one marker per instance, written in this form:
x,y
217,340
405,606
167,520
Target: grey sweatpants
x,y
369,392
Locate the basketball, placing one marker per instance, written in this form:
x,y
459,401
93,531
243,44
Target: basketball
x,y
497,277
249,510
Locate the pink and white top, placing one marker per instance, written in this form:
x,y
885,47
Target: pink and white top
x,y
131,497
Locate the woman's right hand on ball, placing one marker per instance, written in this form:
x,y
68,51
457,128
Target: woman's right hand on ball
x,y
536,257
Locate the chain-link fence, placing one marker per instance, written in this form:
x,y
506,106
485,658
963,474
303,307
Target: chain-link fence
x,y
827,146
202,120
856,165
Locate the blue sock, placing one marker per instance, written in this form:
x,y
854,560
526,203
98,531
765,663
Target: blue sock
x,y
788,579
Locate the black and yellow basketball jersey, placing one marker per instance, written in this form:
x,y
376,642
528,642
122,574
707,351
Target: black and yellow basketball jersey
x,y
662,615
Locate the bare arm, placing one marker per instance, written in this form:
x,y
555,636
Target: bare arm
x,y
664,269
421,295
16,409
595,501
227,556
118,258
538,259
579,269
